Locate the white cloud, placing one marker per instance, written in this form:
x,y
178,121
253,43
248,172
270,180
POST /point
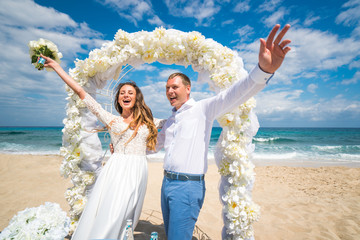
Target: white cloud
x,y
287,106
275,17
269,6
244,32
310,19
24,14
155,98
353,80
146,67
355,64
132,10
165,73
350,16
135,11
156,21
277,101
242,6
18,29
202,10
313,51
227,22
312,87
356,31
23,21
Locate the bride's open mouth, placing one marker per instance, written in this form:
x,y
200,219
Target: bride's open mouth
x,y
126,102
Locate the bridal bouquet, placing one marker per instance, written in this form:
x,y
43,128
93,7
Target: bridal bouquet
x,y
47,221
46,48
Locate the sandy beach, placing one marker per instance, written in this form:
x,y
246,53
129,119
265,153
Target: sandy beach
x,y
296,202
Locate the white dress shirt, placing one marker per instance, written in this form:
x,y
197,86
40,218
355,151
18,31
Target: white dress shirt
x,y
186,134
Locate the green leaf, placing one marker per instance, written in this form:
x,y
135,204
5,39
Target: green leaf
x,y
47,52
52,56
42,49
34,59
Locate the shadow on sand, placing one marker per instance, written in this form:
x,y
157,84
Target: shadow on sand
x,y
151,221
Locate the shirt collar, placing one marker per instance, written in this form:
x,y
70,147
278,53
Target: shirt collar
x,y
188,104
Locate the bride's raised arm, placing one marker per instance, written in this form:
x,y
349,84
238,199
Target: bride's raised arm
x,y
64,76
104,116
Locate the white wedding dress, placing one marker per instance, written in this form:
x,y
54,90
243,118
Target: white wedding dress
x,y
119,191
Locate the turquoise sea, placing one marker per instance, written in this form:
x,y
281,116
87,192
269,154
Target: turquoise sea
x,y
285,146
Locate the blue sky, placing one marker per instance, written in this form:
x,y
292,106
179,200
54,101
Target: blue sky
x,y
317,86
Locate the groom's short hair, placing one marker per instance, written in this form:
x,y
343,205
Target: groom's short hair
x,y
185,79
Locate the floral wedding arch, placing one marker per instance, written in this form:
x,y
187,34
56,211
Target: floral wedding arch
x,y
217,65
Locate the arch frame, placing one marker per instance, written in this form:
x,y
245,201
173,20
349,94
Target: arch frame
x,y
217,65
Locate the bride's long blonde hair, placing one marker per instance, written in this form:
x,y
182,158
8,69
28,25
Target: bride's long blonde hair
x,y
141,115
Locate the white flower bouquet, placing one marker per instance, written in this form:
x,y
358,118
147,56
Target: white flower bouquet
x,y
46,48
47,221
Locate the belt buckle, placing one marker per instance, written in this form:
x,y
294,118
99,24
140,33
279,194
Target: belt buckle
x,y
177,176
186,177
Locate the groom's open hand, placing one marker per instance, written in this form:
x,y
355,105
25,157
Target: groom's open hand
x,y
272,53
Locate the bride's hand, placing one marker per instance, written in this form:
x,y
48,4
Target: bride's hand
x,y
111,146
50,63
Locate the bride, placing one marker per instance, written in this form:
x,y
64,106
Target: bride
x,y
119,191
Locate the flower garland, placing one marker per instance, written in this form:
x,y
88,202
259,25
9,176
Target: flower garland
x,y
237,170
47,221
219,66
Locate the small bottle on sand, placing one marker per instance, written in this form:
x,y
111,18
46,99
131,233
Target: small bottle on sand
x,y
129,234
154,236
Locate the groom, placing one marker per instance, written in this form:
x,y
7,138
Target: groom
x,y
186,135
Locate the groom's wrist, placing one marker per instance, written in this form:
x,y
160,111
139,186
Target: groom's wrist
x,y
260,76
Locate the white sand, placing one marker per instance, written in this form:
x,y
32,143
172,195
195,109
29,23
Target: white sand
x,y
296,202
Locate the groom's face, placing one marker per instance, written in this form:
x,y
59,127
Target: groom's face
x,y
176,92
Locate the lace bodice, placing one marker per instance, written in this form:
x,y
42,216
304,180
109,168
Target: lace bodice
x,y
116,124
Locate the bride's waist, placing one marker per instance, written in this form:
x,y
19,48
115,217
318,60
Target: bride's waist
x,y
129,154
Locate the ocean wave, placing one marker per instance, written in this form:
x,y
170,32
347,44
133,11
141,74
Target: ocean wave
x,y
278,156
12,133
324,148
345,157
337,148
272,140
316,157
17,148
13,147
31,152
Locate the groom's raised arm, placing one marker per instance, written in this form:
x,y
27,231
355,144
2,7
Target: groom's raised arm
x,y
271,56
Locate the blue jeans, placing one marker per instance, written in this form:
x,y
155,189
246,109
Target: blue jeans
x,y
181,202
